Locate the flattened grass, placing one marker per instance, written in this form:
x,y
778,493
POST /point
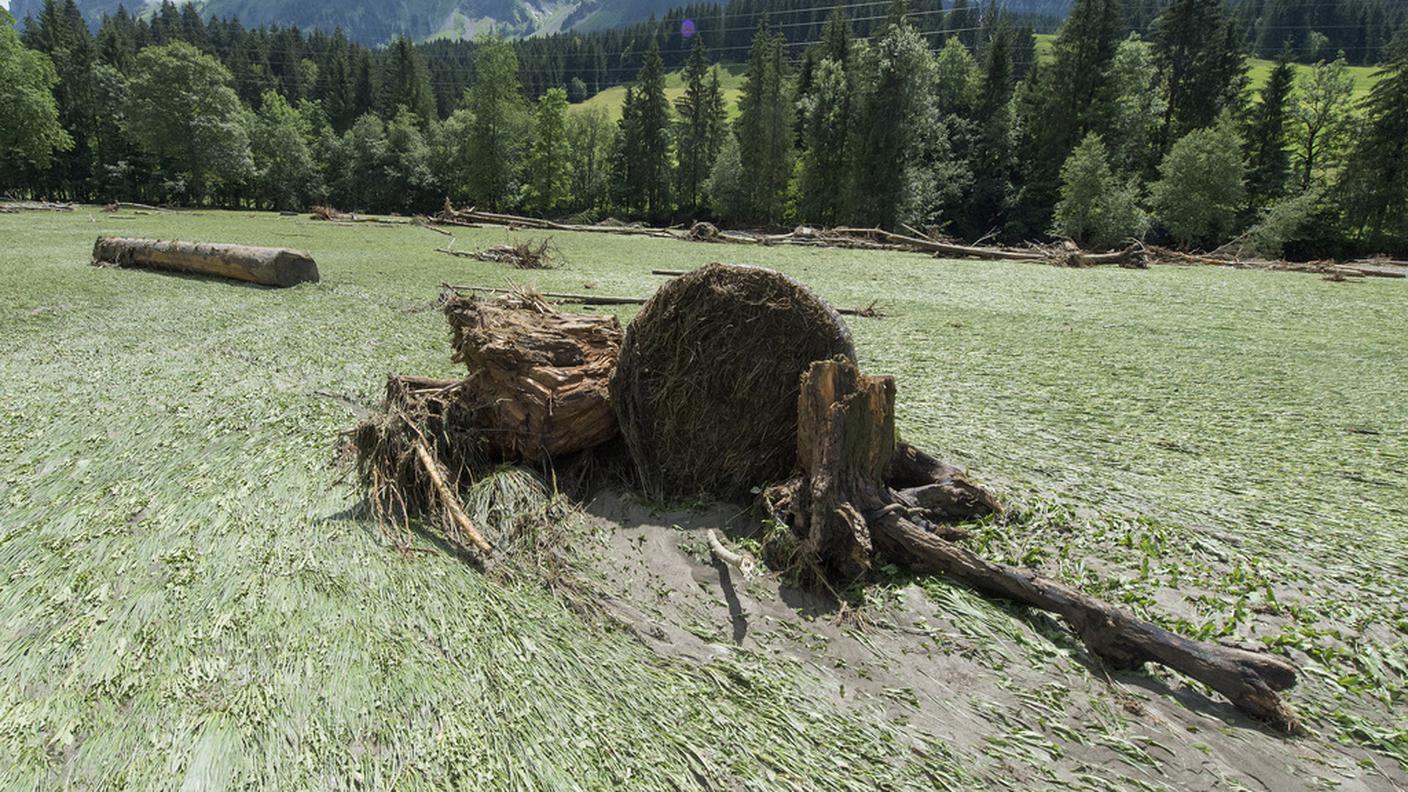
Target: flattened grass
x,y
188,594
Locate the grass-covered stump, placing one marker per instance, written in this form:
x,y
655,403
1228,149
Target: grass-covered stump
x,y
263,265
539,377
843,509
706,386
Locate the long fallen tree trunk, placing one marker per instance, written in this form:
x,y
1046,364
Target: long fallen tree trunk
x,y
870,311
264,265
855,495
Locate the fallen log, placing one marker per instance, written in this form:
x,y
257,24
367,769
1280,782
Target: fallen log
x,y
34,206
118,205
263,265
843,506
580,299
461,216
945,248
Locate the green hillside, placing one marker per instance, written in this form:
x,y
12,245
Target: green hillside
x,y
730,77
1259,69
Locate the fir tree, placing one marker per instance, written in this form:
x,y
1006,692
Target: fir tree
x,y
547,159
1198,49
405,82
700,128
1268,161
764,129
1376,181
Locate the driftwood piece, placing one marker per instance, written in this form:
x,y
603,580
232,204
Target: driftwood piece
x,y
263,265
450,500
844,506
540,376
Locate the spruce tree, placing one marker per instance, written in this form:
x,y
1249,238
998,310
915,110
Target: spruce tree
x,y
62,34
764,128
1202,68
826,146
992,157
500,122
405,82
547,159
1376,180
1268,161
651,157
896,78
701,121
1062,102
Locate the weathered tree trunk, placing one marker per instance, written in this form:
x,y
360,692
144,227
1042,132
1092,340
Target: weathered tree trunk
x,y
263,265
539,376
858,492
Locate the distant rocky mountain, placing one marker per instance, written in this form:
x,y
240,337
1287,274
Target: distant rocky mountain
x,y
377,21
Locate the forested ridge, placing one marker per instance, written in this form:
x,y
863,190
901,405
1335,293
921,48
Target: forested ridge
x,y
1138,123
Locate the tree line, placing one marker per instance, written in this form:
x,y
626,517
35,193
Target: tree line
x,y
1113,137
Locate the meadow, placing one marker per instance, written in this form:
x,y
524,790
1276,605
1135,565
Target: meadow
x,y
191,597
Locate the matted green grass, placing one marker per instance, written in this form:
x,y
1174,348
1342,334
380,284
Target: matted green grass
x,y
188,595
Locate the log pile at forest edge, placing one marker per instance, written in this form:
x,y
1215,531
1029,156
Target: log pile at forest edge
x,y
855,492
1065,253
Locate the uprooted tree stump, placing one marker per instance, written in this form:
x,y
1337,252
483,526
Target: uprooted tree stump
x,y
844,507
732,377
263,265
539,377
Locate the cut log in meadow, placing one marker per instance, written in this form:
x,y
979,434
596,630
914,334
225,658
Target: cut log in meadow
x,y
263,265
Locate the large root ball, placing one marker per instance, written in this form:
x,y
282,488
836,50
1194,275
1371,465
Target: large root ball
x,y
705,390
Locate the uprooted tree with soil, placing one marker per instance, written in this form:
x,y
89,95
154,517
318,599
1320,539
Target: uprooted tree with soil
x,y
733,381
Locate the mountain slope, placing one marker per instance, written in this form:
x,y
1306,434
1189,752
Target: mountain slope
x,y
377,21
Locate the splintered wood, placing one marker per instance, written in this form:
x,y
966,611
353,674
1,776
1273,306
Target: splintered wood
x,y
540,376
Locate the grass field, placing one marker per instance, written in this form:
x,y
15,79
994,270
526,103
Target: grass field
x,y
190,598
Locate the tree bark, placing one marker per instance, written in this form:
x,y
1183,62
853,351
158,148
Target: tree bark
x,y
262,265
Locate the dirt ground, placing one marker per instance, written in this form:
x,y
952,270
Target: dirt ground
x,y
912,658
